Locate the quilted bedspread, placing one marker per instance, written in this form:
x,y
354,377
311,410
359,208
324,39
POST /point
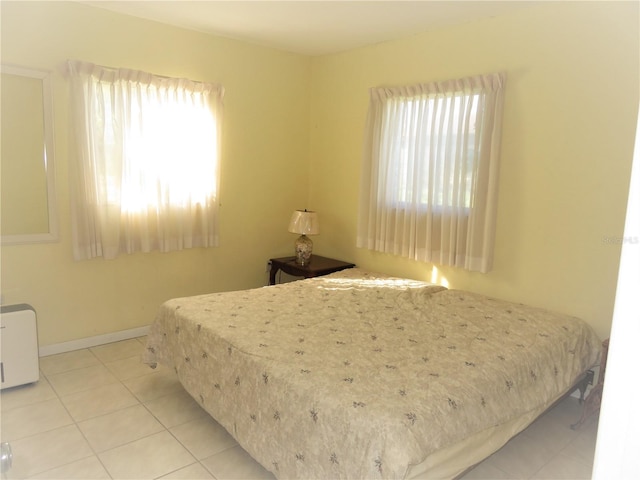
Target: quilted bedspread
x,y
358,375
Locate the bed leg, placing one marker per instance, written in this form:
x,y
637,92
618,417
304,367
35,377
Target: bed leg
x,y
592,403
584,384
591,406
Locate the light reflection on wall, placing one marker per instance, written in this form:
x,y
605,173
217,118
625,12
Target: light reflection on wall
x,y
438,278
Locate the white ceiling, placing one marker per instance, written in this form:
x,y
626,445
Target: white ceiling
x,y
312,27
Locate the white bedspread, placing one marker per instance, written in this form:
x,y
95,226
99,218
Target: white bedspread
x,y
357,375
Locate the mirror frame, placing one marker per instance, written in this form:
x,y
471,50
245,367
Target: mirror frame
x,y
48,161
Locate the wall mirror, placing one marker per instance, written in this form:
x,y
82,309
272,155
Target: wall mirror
x,y
27,190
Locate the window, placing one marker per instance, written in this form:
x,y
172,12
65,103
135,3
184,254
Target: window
x,y
147,166
429,177
443,128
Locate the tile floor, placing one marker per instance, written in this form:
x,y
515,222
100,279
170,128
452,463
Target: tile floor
x,y
99,413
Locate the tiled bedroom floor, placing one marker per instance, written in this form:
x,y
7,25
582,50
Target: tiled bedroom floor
x,y
99,413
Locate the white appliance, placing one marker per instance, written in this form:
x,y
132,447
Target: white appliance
x,y
19,362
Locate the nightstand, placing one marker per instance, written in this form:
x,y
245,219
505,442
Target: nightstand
x,y
317,266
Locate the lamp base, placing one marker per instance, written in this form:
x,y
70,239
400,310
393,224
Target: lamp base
x,y
304,246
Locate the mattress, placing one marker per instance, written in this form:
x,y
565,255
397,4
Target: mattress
x,y
361,375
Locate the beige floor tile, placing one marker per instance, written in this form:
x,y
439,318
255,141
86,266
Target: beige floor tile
x,y
236,464
118,428
98,401
554,431
149,457
176,409
35,418
160,382
45,451
130,367
562,467
486,471
81,379
86,469
192,472
521,457
26,394
568,410
203,437
65,362
584,446
118,350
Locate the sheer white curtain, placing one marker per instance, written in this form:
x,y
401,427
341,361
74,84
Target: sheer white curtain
x,y
146,169
430,171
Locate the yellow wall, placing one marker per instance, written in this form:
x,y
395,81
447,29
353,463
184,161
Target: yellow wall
x,y
571,105
264,167
293,130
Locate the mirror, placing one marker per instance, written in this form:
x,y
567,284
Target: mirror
x,y
27,190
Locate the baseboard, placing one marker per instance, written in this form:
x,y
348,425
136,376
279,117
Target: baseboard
x,y
92,341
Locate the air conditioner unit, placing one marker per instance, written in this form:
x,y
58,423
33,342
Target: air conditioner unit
x,y
19,362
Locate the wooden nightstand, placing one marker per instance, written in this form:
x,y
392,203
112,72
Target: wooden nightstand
x,y
317,266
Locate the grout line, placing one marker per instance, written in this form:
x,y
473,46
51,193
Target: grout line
x,y
140,402
166,429
58,397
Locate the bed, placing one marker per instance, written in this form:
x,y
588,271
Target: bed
x,y
360,375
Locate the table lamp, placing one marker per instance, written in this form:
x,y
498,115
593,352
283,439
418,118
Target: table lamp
x,y
304,223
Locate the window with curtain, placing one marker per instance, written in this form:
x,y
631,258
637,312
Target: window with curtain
x,y
145,176
430,171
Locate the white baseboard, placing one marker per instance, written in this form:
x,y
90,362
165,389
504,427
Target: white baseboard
x,y
92,341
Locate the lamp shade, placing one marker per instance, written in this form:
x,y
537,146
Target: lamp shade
x,y
304,223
